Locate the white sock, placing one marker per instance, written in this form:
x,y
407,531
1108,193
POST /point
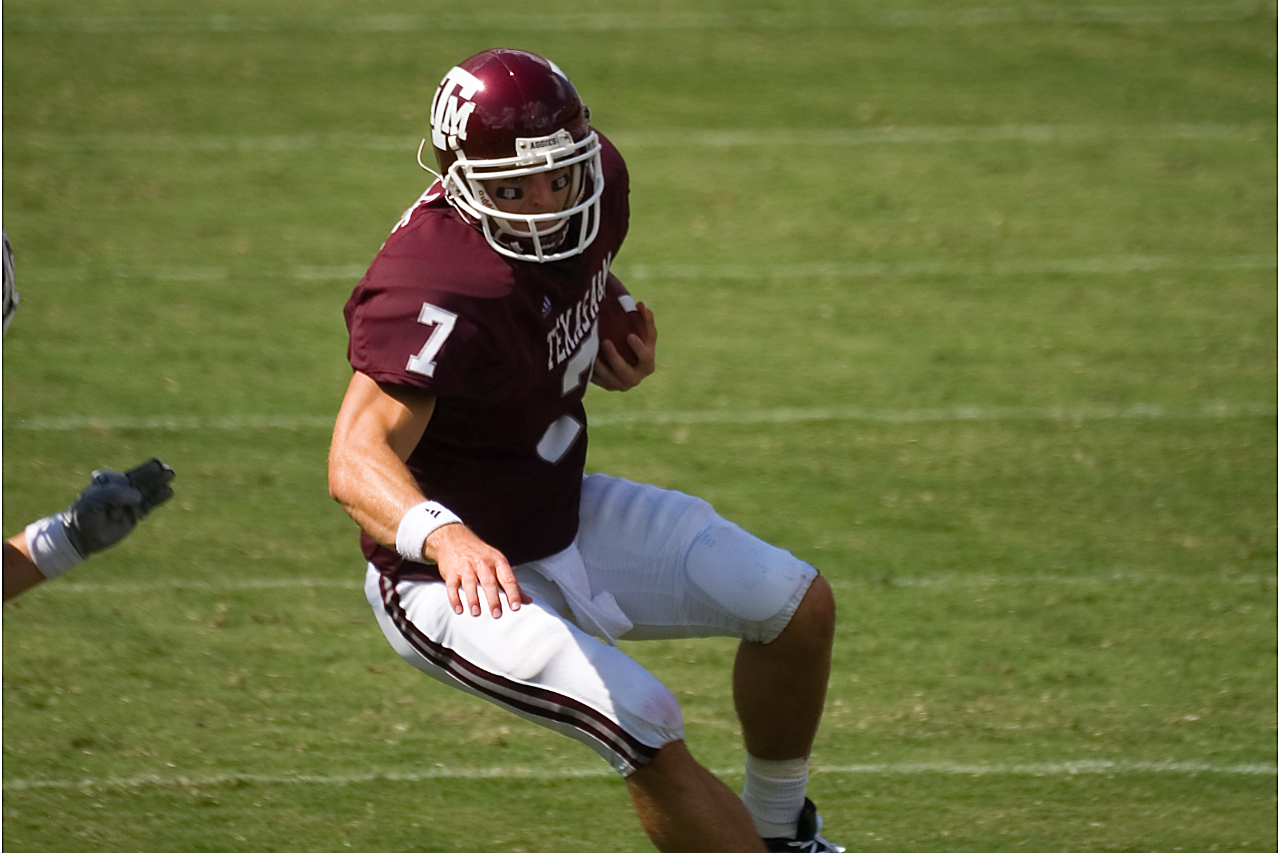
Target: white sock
x,y
774,794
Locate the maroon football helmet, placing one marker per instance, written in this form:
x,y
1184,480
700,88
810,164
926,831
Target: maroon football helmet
x,y
505,114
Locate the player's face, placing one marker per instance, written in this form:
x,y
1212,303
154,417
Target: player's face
x,y
543,192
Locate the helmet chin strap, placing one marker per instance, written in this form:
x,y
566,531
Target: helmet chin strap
x,y
427,168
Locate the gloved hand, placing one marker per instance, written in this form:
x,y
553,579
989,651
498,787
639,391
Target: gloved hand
x,y
113,503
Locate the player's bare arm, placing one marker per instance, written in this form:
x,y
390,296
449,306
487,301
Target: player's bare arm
x,y
376,429
613,373
20,571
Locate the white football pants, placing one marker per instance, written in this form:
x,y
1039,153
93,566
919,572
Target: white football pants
x,y
650,562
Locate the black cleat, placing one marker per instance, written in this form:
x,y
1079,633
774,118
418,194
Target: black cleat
x,y
807,839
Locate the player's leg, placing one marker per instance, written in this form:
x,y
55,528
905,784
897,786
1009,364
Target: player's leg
x,y
778,692
678,569
684,808
538,665
779,687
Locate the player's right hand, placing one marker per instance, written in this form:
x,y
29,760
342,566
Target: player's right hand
x,y
612,372
113,503
468,564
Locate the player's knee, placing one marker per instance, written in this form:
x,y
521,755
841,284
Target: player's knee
x,y
814,621
648,705
745,575
669,767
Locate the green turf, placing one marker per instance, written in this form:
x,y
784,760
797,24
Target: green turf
x,y
973,307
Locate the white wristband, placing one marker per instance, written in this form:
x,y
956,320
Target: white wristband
x,y
51,550
419,523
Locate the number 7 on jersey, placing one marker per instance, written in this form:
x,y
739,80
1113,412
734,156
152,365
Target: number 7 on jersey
x,y
441,323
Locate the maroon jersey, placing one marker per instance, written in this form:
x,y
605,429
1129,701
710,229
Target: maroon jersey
x,y
506,347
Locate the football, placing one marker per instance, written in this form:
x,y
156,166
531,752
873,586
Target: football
x,y
618,318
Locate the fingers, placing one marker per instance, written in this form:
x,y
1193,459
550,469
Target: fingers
x,y
613,372
464,588
608,364
150,475
469,587
511,589
475,574
452,584
645,348
495,579
650,326
152,478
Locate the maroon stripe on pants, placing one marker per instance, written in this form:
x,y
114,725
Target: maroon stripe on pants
x,y
535,701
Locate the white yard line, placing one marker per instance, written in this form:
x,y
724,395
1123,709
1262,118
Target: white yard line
x,y
1046,770
481,20
953,580
229,423
955,414
1043,134
1113,265
781,415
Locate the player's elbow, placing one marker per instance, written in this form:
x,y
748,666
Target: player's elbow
x,y
335,487
341,477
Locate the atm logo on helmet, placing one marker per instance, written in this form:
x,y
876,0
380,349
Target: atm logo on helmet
x,y
451,108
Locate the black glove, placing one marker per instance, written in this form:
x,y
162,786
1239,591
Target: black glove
x,y
113,503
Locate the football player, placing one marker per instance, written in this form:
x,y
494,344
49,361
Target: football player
x,y
494,564
103,514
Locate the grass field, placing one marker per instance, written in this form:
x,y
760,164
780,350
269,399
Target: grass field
x,y
971,305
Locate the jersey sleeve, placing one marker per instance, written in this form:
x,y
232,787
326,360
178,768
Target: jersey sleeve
x,y
407,326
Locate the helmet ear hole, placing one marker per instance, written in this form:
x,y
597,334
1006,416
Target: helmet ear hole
x,y
507,114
